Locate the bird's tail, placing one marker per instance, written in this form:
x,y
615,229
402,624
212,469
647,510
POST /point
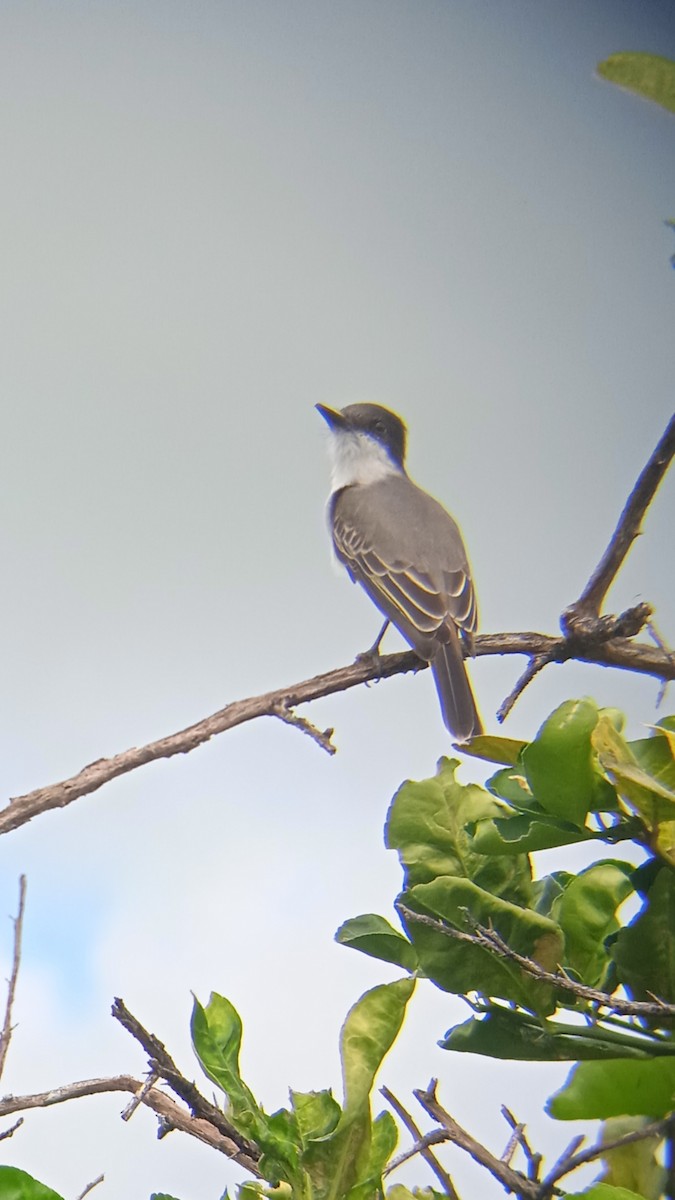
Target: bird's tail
x,y
454,691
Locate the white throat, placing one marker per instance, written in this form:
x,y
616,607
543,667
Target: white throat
x,y
358,458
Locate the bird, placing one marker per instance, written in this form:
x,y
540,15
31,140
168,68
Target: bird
x,y
405,551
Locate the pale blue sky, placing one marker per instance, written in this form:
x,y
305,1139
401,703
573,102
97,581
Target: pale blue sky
x,y
212,216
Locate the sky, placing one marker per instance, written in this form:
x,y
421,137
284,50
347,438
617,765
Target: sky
x,y
214,216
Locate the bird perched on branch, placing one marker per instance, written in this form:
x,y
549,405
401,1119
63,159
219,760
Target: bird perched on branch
x,y
405,550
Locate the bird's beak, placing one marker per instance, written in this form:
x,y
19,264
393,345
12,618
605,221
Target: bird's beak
x,y
331,416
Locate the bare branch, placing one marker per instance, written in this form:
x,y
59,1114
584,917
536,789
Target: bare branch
x,y
139,1098
321,737
160,1061
423,1149
165,1106
6,1034
8,1133
489,939
90,1187
628,528
532,1156
535,665
512,1181
643,658
570,1160
587,638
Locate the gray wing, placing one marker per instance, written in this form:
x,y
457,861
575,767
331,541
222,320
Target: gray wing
x,y
408,554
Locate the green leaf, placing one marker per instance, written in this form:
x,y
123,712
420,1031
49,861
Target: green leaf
x,y
383,1141
216,1037
427,824
604,1191
644,951
559,764
399,1192
18,1185
508,1034
652,799
316,1114
634,1166
524,833
370,1029
343,1164
460,967
586,913
648,75
624,1087
374,935
495,749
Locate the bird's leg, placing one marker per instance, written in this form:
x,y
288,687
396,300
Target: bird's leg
x,y
373,652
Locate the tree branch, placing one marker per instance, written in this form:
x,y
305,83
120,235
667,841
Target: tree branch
x,y
165,1106
489,939
643,658
243,1151
511,1180
587,637
6,1034
628,528
421,1145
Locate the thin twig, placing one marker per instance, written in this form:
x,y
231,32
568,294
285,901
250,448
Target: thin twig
x,y
569,1161
321,737
532,1156
139,1098
6,1034
488,939
413,1128
8,1133
427,1139
90,1187
511,1180
535,665
628,528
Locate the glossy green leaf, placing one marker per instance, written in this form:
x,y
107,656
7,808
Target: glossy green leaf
x,y
374,935
511,785
495,749
559,764
586,912
524,833
508,1034
428,826
644,950
216,1037
624,1087
19,1185
460,967
648,75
